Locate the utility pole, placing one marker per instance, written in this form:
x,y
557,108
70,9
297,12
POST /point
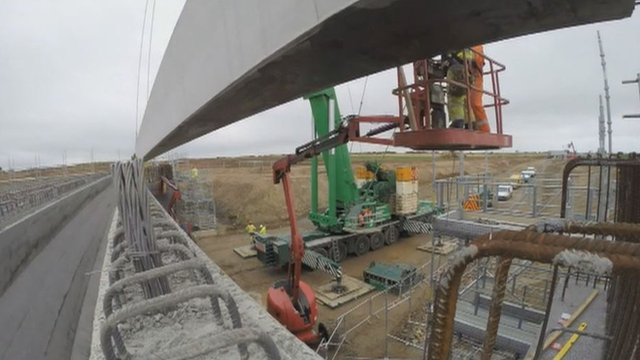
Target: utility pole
x,y
606,89
37,166
636,81
10,169
601,130
64,163
93,167
461,184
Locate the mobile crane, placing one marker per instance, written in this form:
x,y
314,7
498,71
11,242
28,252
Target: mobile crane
x,y
340,229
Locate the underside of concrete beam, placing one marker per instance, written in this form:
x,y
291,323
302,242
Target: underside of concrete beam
x,y
231,59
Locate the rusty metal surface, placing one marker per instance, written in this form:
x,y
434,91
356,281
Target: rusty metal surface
x,y
623,312
495,310
618,257
623,256
625,231
451,139
620,230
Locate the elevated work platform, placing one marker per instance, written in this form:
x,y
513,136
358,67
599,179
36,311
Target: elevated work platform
x,y
452,139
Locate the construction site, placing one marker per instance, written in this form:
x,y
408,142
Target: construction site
x,y
395,314
443,242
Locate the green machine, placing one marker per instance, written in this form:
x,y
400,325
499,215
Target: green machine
x,y
356,220
345,201
398,277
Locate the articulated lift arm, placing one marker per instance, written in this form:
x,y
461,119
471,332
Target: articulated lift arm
x,y
348,130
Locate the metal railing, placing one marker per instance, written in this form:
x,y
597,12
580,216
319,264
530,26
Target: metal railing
x,y
370,310
422,86
19,198
145,233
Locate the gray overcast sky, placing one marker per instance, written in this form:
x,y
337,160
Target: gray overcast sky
x,y
68,75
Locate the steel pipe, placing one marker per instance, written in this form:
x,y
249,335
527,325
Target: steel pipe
x,y
626,231
495,309
222,340
195,264
158,304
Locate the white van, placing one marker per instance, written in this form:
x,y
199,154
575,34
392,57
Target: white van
x,y
505,192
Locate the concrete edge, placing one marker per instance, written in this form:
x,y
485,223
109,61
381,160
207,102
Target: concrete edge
x,y
22,240
253,315
103,283
81,348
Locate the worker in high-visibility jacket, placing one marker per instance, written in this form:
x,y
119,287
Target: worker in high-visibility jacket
x,y
262,230
251,229
481,121
457,105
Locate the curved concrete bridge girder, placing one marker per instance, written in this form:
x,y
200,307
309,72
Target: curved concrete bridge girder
x,y
230,59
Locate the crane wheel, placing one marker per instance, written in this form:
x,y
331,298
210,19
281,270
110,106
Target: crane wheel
x,y
377,240
338,254
321,251
391,235
362,245
323,333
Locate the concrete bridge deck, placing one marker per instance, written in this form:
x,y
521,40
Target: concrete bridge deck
x,y
40,309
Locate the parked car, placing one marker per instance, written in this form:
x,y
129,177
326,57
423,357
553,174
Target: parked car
x,y
527,175
504,192
531,170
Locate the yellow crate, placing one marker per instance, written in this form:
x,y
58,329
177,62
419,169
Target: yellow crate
x,y
406,173
363,174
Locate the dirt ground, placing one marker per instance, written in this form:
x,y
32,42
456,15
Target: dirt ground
x,y
255,278
244,191
28,174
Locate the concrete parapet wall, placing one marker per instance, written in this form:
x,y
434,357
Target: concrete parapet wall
x,y
20,241
253,315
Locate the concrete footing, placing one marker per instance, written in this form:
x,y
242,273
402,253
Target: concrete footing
x,y
352,289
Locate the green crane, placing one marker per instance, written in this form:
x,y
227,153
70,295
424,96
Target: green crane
x,y
343,192
357,219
